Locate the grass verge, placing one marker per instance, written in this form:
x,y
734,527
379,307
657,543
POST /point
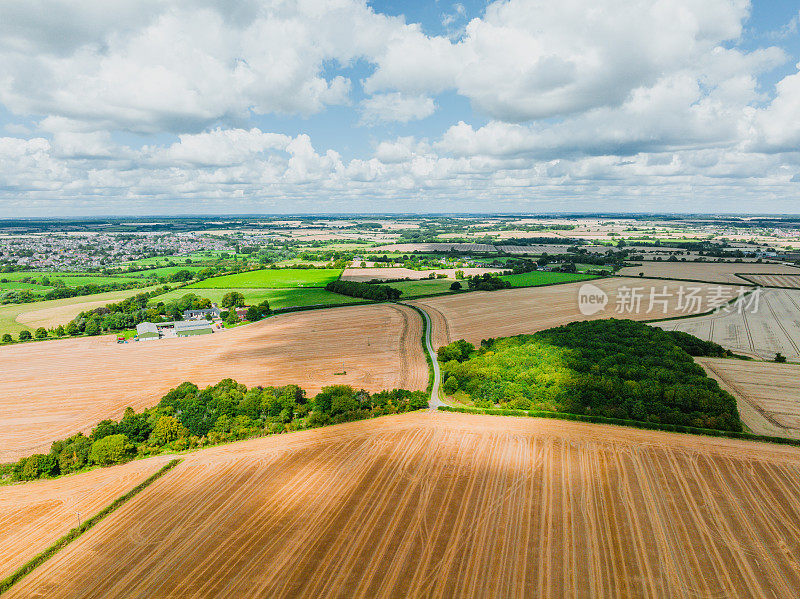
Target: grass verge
x,y
73,534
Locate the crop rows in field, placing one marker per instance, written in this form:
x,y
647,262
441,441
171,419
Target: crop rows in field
x,y
451,505
773,328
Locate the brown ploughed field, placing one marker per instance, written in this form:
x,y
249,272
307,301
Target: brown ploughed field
x,y
35,515
56,388
483,314
768,394
451,505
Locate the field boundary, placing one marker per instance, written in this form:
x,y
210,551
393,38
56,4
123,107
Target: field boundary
x,y
425,328
669,428
73,534
746,283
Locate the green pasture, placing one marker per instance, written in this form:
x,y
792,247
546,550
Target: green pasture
x,y
423,287
536,278
272,279
277,298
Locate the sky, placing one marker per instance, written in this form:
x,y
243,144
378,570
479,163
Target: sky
x,y
334,106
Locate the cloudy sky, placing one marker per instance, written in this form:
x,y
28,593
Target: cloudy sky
x,y
273,106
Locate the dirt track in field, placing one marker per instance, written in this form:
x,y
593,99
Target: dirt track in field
x,y
54,389
451,505
482,314
34,515
768,394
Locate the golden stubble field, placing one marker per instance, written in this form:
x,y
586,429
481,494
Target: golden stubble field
x,y
717,272
483,314
57,388
768,394
451,505
36,514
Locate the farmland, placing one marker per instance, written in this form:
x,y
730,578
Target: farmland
x,y
774,328
18,317
533,279
272,279
368,274
480,315
34,515
768,394
451,505
712,272
277,298
69,385
786,280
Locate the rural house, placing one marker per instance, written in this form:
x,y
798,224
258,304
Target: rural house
x,y
213,311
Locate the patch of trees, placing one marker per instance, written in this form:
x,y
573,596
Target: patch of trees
x,y
370,291
487,282
609,368
189,417
697,347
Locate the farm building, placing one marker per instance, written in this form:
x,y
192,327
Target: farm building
x,y
147,330
213,311
187,328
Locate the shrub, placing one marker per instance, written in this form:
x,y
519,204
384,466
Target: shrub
x,y
112,449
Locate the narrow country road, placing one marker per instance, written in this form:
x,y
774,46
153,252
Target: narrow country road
x,y
435,402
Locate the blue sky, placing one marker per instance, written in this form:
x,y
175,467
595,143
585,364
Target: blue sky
x,y
336,105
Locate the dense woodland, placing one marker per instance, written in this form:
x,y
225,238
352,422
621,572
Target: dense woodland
x,y
611,368
189,417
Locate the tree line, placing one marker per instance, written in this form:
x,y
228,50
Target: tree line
x,y
370,291
189,417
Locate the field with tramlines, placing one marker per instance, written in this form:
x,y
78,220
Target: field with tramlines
x,y
451,505
483,314
36,514
68,386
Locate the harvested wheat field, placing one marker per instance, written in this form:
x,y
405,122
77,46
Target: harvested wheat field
x,y
451,505
768,394
712,272
483,314
774,327
34,515
787,281
56,388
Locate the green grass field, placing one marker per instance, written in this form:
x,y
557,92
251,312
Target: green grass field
x,y
533,279
10,312
271,279
277,298
424,287
71,279
163,271
17,286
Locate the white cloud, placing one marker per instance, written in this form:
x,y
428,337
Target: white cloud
x,y
396,107
586,99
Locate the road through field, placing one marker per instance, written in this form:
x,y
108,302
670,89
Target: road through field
x,y
434,401
451,505
57,388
